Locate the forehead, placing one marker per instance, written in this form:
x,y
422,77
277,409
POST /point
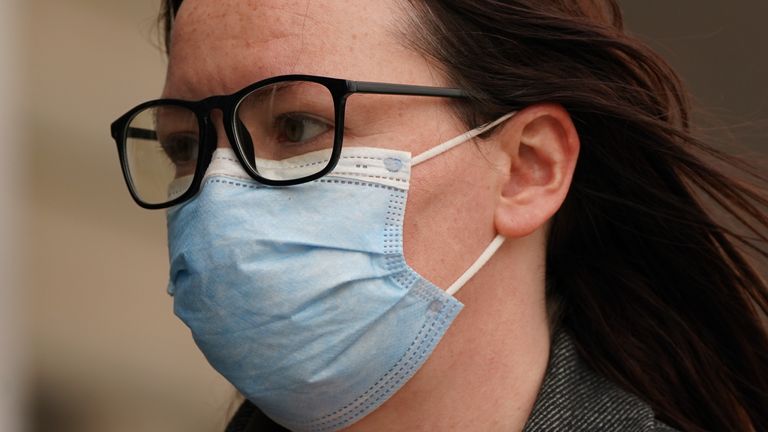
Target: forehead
x,y
219,46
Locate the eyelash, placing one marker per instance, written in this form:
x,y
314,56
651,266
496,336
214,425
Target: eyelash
x,y
303,118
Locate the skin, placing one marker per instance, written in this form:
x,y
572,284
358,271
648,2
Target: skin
x,y
486,372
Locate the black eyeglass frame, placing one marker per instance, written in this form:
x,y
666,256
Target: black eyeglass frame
x,y
340,90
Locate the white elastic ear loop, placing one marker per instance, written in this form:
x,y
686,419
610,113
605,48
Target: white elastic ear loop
x,y
477,265
499,240
453,142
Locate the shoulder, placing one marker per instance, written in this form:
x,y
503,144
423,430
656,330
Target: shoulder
x,y
575,398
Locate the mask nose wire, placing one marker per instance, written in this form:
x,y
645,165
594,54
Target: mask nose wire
x,y
453,142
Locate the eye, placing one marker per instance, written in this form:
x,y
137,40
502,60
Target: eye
x,y
180,148
298,128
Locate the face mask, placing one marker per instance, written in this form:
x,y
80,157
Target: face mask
x,y
300,296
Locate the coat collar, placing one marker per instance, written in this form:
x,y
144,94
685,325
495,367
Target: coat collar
x,y
573,397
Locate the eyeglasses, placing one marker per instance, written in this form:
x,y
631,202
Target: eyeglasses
x,y
165,145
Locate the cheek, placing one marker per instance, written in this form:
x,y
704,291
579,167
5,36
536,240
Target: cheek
x,y
449,214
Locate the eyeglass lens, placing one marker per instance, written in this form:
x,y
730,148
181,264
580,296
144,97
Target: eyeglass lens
x,y
161,151
285,131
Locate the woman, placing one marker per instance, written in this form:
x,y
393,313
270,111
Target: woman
x,y
529,154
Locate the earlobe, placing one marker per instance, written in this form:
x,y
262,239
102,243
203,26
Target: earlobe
x,y
542,145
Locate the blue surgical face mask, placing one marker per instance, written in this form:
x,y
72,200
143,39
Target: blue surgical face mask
x,y
300,296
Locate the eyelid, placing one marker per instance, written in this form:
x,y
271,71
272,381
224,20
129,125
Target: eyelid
x,y
300,114
165,135
170,125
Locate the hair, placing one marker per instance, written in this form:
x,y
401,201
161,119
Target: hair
x,y
645,268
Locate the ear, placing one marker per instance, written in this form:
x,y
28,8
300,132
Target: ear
x,y
542,145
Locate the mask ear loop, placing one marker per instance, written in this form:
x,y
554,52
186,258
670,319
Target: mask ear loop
x,y
453,142
477,265
499,239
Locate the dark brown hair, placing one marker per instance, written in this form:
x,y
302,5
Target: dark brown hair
x,y
644,272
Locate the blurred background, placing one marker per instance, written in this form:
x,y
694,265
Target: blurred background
x,y
88,340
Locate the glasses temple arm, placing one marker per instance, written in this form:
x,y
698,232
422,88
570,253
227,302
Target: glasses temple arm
x,y
141,133
404,89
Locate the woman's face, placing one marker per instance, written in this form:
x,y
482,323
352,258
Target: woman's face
x,y
221,46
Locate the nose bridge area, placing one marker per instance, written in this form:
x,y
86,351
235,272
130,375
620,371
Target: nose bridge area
x,y
217,120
